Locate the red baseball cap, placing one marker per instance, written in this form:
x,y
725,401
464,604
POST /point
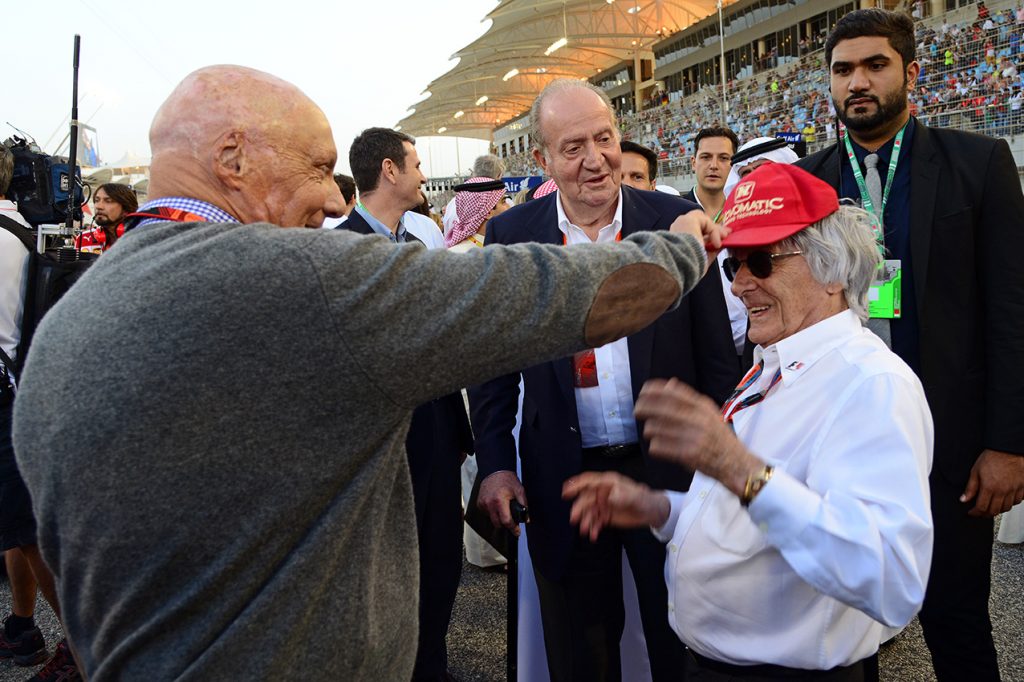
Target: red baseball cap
x,y
775,201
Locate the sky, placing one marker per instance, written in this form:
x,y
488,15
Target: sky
x,y
364,62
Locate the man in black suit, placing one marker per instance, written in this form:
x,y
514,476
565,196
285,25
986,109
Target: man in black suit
x,y
578,411
951,205
713,149
387,173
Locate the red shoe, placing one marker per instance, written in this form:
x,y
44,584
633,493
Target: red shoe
x,y
60,668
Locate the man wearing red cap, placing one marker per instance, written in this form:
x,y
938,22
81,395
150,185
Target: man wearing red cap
x,y
807,529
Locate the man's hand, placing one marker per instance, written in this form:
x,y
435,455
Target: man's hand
x,y
611,499
997,480
701,226
686,427
495,492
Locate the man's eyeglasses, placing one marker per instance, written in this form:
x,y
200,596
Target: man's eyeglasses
x,y
758,262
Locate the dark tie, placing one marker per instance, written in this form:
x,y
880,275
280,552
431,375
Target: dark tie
x,y
879,325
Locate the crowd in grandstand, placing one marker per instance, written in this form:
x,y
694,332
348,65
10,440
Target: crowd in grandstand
x,y
972,77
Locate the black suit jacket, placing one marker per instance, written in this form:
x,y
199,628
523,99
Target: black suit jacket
x,y
966,240
746,358
439,432
682,343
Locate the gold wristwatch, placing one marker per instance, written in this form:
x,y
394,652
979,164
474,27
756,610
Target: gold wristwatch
x,y
755,482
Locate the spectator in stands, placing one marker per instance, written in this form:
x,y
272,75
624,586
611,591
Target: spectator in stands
x,y
946,194
247,445
577,411
111,203
639,165
806,530
347,185
485,166
20,639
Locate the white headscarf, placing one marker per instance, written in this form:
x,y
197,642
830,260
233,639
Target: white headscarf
x,y
782,155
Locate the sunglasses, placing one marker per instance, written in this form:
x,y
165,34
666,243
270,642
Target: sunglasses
x,y
758,262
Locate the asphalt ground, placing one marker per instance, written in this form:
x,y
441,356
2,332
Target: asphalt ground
x,y
476,638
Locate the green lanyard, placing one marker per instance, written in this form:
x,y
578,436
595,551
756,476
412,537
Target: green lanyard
x,y
865,196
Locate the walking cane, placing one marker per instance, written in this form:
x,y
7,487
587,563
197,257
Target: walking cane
x,y
520,515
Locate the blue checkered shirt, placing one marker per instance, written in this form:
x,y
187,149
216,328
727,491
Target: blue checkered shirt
x,y
199,208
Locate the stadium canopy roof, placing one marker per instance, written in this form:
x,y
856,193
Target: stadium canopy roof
x,y
499,74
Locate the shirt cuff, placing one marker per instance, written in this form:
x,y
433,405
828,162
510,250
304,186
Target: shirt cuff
x,y
665,531
784,508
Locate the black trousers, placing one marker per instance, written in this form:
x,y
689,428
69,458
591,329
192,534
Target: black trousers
x,y
955,617
439,531
583,613
17,523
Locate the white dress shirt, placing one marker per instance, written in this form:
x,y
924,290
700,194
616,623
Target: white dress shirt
x,y
424,229
13,277
332,223
605,411
839,541
448,216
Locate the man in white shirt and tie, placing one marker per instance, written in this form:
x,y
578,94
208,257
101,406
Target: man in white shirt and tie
x,y
806,533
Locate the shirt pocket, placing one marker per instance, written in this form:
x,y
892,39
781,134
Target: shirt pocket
x,y
727,525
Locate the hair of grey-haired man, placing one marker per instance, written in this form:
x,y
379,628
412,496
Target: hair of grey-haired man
x,y
562,85
841,248
488,166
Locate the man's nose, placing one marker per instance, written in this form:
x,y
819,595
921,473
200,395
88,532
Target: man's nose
x,y
592,156
742,281
859,81
334,203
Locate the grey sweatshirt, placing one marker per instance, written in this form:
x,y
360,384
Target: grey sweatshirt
x,y
211,424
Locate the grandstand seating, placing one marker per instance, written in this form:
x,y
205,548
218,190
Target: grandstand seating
x,y
972,78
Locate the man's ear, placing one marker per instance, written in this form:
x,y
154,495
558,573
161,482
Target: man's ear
x,y
231,161
388,171
913,71
538,156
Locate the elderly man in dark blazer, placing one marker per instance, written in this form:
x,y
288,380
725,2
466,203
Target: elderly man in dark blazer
x,y
577,411
950,205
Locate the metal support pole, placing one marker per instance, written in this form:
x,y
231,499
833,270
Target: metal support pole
x,y
721,62
73,153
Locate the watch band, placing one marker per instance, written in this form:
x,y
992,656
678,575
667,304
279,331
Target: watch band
x,y
755,482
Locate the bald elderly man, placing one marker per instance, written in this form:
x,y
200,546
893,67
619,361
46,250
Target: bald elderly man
x,y
235,501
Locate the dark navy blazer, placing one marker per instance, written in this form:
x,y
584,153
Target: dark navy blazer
x,y
686,343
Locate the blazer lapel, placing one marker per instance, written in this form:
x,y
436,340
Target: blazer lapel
x,y
356,223
829,169
924,185
638,215
544,230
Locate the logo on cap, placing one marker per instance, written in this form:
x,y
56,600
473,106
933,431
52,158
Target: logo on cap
x,y
744,191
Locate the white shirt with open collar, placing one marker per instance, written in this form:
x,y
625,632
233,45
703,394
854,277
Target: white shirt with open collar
x,y
839,541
